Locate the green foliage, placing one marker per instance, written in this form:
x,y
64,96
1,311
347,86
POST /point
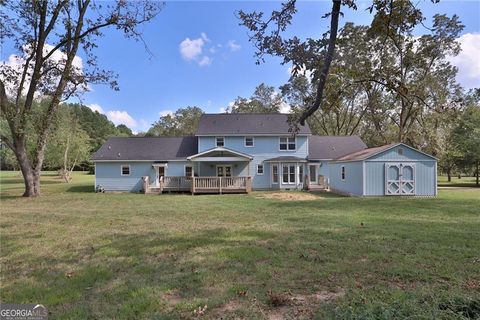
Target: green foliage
x,y
184,122
263,100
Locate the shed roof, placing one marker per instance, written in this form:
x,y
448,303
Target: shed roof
x,y
370,152
246,124
146,148
333,147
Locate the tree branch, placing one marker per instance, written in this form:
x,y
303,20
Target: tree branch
x,y
326,65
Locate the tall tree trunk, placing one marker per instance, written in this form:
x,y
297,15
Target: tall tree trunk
x,y
30,178
478,173
449,174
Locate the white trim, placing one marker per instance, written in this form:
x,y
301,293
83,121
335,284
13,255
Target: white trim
x,y
95,172
159,165
244,155
245,142
436,182
287,137
364,178
263,169
216,142
343,173
121,170
220,159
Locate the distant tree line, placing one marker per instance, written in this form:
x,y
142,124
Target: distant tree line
x,y
76,133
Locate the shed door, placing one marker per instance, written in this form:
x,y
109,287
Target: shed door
x,y
399,179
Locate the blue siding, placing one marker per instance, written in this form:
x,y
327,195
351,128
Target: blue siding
x,y
108,175
408,154
265,147
424,177
353,183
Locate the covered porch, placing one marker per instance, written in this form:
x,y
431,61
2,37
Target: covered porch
x,y
219,170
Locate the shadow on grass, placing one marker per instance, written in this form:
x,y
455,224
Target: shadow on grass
x,y
81,189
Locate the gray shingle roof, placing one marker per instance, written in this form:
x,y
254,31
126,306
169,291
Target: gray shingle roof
x,y
364,154
246,124
333,147
146,148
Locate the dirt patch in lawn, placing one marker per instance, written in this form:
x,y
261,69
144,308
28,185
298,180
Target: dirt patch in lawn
x,y
289,196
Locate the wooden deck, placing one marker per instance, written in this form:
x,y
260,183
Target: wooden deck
x,y
197,185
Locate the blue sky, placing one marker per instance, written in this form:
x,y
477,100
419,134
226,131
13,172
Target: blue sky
x,y
202,56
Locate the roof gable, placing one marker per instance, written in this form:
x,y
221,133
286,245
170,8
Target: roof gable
x,y
246,124
380,152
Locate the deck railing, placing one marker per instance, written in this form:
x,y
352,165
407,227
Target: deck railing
x,y
200,184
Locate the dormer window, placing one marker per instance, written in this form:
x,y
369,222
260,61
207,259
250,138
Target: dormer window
x,y
220,141
288,144
248,141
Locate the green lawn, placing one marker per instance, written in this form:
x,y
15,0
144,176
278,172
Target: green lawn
x,y
134,256
462,182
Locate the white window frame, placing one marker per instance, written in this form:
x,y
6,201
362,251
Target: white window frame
x,y
288,143
223,141
301,174
276,165
245,142
224,168
185,169
288,165
343,173
263,169
121,170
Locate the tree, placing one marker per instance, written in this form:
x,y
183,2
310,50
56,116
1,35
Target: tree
x,y
124,131
47,36
466,135
68,144
316,55
184,122
263,100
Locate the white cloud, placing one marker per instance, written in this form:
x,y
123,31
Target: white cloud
x,y
95,107
165,113
121,117
303,71
233,45
15,65
468,61
205,61
192,50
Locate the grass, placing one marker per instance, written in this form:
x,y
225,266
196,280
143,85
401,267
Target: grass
x,y
134,256
462,182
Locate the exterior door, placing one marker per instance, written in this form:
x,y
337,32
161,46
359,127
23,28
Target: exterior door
x,y
159,172
399,179
224,171
313,174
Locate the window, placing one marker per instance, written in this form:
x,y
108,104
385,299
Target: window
x,y
125,170
220,141
288,173
248,141
260,169
300,174
274,173
287,143
400,151
188,171
343,173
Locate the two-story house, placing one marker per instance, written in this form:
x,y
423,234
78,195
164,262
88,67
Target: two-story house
x,y
229,153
